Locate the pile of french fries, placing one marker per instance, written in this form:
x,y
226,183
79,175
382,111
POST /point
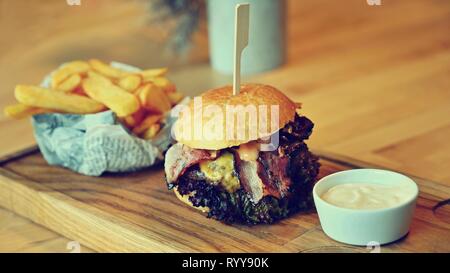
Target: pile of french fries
x,y
139,99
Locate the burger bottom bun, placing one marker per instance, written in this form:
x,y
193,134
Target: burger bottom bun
x,y
185,199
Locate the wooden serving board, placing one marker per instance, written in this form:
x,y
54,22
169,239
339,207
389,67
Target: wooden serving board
x,y
136,212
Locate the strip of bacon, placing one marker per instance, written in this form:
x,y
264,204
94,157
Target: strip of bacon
x,y
273,172
180,157
265,176
259,178
248,176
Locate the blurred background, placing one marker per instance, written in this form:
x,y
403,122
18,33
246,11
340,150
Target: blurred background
x,y
373,78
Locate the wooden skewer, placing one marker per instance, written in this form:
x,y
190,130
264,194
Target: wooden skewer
x,y
240,42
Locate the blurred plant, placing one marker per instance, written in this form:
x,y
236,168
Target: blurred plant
x,y
186,14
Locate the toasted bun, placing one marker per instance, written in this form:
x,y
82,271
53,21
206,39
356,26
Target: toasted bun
x,y
214,135
185,199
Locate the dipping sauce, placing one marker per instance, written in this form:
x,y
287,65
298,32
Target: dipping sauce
x,y
367,196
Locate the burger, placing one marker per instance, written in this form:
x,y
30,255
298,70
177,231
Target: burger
x,y
242,170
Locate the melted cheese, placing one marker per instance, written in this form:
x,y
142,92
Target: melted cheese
x,y
221,171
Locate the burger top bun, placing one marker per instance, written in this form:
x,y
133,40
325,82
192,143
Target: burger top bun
x,y
226,121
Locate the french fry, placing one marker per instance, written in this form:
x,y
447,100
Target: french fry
x,y
146,123
175,97
139,99
106,70
134,119
151,131
98,77
75,67
59,101
164,83
19,111
153,98
69,84
130,82
129,121
149,74
115,98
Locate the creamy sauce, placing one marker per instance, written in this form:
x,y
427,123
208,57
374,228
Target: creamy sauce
x,y
367,196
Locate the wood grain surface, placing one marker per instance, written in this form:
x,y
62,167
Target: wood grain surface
x,y
374,79
18,234
135,212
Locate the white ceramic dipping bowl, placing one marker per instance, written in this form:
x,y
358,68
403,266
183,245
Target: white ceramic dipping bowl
x,y
358,226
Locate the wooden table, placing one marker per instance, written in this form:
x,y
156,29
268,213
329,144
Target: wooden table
x,y
374,79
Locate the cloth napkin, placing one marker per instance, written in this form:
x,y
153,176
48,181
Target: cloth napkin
x,y
96,143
